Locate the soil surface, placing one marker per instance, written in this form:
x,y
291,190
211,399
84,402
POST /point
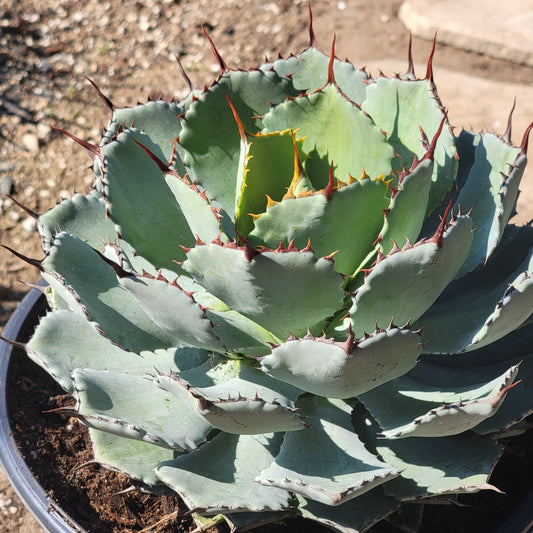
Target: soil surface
x,y
129,49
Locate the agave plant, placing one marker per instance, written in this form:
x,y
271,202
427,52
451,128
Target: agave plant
x,y
294,293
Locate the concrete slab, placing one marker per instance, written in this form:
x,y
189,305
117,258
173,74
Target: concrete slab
x,y
479,104
500,29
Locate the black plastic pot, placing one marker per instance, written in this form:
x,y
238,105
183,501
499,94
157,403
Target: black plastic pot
x,y
51,517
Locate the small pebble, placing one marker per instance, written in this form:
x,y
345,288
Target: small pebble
x,y
30,141
6,166
29,225
5,502
43,131
6,185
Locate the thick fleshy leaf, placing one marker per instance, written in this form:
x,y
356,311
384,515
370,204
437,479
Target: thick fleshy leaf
x,y
282,291
352,516
405,283
173,310
411,406
219,476
246,404
490,191
352,214
344,370
267,171
430,466
516,307
407,210
486,304
326,462
125,256
89,285
159,120
139,201
401,108
135,407
65,340
518,403
441,465
309,72
234,333
336,130
240,376
83,216
241,336
465,144
481,364
202,219
511,310
134,458
236,406
210,136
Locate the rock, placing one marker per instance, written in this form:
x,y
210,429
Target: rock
x,y
6,185
495,28
43,131
29,225
30,141
6,166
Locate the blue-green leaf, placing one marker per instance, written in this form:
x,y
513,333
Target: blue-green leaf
x,y
326,462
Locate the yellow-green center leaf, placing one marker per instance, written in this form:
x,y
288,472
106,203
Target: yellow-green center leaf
x,y
267,169
334,130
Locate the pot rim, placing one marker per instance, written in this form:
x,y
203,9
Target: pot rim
x,y
47,512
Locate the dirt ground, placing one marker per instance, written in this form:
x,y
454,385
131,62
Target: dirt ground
x,y
129,49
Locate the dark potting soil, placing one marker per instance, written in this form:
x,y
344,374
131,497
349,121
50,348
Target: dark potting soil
x,y
58,451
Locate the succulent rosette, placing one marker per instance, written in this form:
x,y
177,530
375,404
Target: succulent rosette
x,y
295,292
